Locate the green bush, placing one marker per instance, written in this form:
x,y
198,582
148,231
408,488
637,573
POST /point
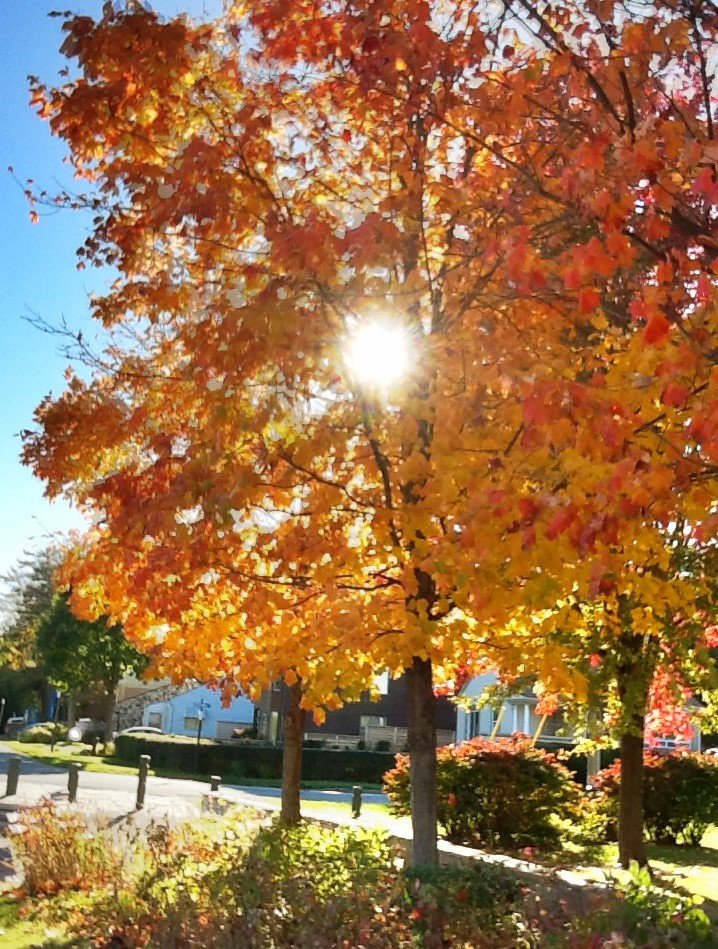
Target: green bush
x,y
255,760
503,793
680,796
475,898
41,734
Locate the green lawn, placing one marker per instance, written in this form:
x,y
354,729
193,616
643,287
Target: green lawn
x,y
66,754
692,870
16,933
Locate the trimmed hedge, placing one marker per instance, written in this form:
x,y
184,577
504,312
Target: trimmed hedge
x,y
251,760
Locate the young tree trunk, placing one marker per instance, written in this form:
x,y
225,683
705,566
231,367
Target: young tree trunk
x,y
421,709
631,845
293,738
71,709
634,678
109,716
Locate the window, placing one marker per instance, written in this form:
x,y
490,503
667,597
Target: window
x,y
154,719
476,726
365,721
191,723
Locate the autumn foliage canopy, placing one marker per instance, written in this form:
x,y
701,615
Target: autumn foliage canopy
x,y
526,194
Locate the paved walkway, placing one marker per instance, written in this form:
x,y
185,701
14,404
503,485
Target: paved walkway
x,y
29,765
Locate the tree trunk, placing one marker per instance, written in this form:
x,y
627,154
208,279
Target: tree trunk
x,y
631,845
293,739
634,678
421,714
109,717
71,709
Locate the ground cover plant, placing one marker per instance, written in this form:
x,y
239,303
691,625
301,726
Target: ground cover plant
x,y
243,881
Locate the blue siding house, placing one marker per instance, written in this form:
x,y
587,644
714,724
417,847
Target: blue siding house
x,y
181,715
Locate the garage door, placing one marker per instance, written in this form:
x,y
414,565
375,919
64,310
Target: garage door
x,y
226,729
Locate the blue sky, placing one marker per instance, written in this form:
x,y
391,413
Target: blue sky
x,y
37,262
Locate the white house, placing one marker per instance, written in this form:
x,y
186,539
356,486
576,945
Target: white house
x,y
181,714
518,714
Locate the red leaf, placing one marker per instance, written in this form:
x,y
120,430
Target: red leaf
x,y
656,329
588,299
559,524
675,395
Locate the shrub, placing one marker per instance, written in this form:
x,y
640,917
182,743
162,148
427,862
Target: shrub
x,y
679,796
469,899
383,745
254,760
645,914
62,851
495,793
41,734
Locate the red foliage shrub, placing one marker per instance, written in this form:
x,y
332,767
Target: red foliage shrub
x,y
502,793
679,796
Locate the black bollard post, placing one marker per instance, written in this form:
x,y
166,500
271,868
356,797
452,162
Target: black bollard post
x,y
72,781
142,781
356,800
13,773
214,782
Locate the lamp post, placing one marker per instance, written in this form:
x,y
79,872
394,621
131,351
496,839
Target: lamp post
x,y
202,705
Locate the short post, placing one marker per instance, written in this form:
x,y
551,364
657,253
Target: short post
x,y
72,781
356,800
142,781
13,773
214,783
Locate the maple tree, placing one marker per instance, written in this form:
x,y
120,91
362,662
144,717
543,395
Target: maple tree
x,y
643,648
524,198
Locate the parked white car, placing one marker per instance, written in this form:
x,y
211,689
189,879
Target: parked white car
x,y
141,730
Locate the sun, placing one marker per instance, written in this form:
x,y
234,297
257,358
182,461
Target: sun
x,y
378,354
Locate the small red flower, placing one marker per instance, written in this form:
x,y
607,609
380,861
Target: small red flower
x,y
453,800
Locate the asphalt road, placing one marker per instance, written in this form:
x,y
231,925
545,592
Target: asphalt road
x,y
37,773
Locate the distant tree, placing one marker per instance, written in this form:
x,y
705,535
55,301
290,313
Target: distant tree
x,y
76,653
26,600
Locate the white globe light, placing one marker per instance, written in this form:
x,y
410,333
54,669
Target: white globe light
x,y
378,354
